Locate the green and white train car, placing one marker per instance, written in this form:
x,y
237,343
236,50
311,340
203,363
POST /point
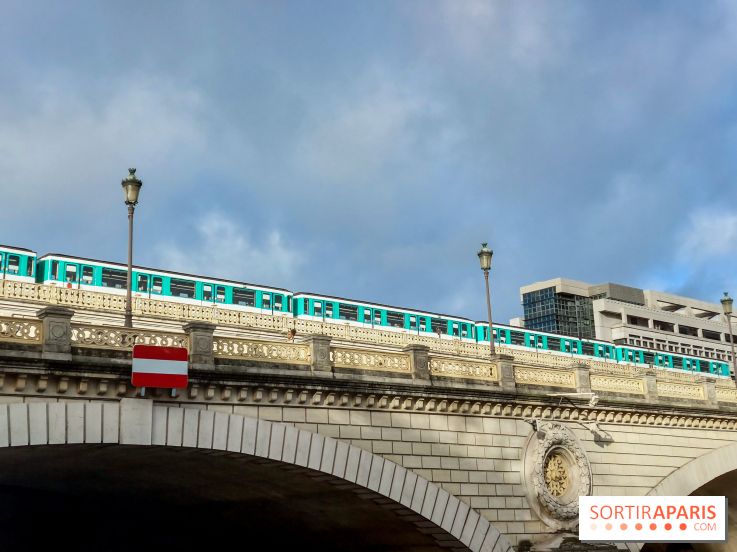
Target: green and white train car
x,y
94,275
373,315
17,264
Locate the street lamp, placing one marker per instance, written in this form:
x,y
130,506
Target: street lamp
x,y
727,308
485,255
131,188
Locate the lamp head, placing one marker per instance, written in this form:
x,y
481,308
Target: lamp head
x,y
485,255
131,187
727,304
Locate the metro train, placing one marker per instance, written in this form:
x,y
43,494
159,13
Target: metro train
x,y
20,264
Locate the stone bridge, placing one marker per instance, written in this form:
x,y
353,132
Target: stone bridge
x,y
344,436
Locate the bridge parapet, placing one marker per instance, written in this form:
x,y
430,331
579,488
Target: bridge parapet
x,y
57,337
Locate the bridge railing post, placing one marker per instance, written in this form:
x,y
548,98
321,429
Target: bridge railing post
x,y
651,385
201,353
583,377
710,392
320,353
419,361
57,332
505,365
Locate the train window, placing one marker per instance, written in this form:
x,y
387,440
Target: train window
x,y
2,265
87,274
554,345
182,288
464,330
13,264
413,322
328,309
244,297
366,315
71,273
347,312
439,326
423,324
278,302
518,338
114,278
377,317
157,284
306,306
454,329
395,319
29,266
677,362
54,270
207,292
142,284
265,300
649,358
318,307
220,294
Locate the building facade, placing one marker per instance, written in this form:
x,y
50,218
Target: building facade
x,y
626,315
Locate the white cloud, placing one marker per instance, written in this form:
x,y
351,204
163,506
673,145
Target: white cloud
x,y
222,248
353,139
710,234
66,146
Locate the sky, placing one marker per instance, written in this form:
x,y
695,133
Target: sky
x,y
366,149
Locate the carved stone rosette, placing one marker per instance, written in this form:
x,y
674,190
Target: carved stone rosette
x,y
557,472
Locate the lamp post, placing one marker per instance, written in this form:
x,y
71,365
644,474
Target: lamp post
x,y
727,308
485,255
131,188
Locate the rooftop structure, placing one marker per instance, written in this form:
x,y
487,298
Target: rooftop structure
x,y
627,315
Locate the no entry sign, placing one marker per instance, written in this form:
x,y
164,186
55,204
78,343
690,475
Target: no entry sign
x,y
155,366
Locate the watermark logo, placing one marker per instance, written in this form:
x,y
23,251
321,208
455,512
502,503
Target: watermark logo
x,y
652,518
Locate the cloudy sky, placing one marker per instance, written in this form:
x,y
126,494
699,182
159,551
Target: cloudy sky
x,y
365,149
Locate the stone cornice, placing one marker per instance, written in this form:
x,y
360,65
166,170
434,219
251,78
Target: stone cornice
x,y
288,389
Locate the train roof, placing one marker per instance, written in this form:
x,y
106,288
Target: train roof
x,y
373,304
210,279
17,249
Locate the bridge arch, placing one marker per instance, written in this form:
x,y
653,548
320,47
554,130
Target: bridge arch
x,y
141,423
695,475
698,472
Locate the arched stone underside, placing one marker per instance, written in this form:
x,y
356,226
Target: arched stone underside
x,y
694,475
698,472
140,422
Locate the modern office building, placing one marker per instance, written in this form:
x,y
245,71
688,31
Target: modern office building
x,y
623,314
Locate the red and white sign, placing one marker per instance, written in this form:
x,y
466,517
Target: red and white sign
x,y
155,366
652,518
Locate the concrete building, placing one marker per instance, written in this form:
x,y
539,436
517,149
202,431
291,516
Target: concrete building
x,y
627,315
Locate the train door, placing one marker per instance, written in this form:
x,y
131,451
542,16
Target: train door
x,y
71,274
535,341
12,264
366,317
87,277
142,283
157,285
213,293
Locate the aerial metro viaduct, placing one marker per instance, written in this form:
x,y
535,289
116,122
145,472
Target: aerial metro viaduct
x,y
340,440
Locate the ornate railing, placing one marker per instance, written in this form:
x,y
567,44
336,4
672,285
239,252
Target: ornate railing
x,y
454,368
545,378
529,363
103,337
370,360
615,384
262,351
20,330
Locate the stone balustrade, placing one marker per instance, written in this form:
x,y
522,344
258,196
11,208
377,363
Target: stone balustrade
x,y
323,349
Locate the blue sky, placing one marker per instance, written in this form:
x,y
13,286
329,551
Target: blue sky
x,y
365,149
